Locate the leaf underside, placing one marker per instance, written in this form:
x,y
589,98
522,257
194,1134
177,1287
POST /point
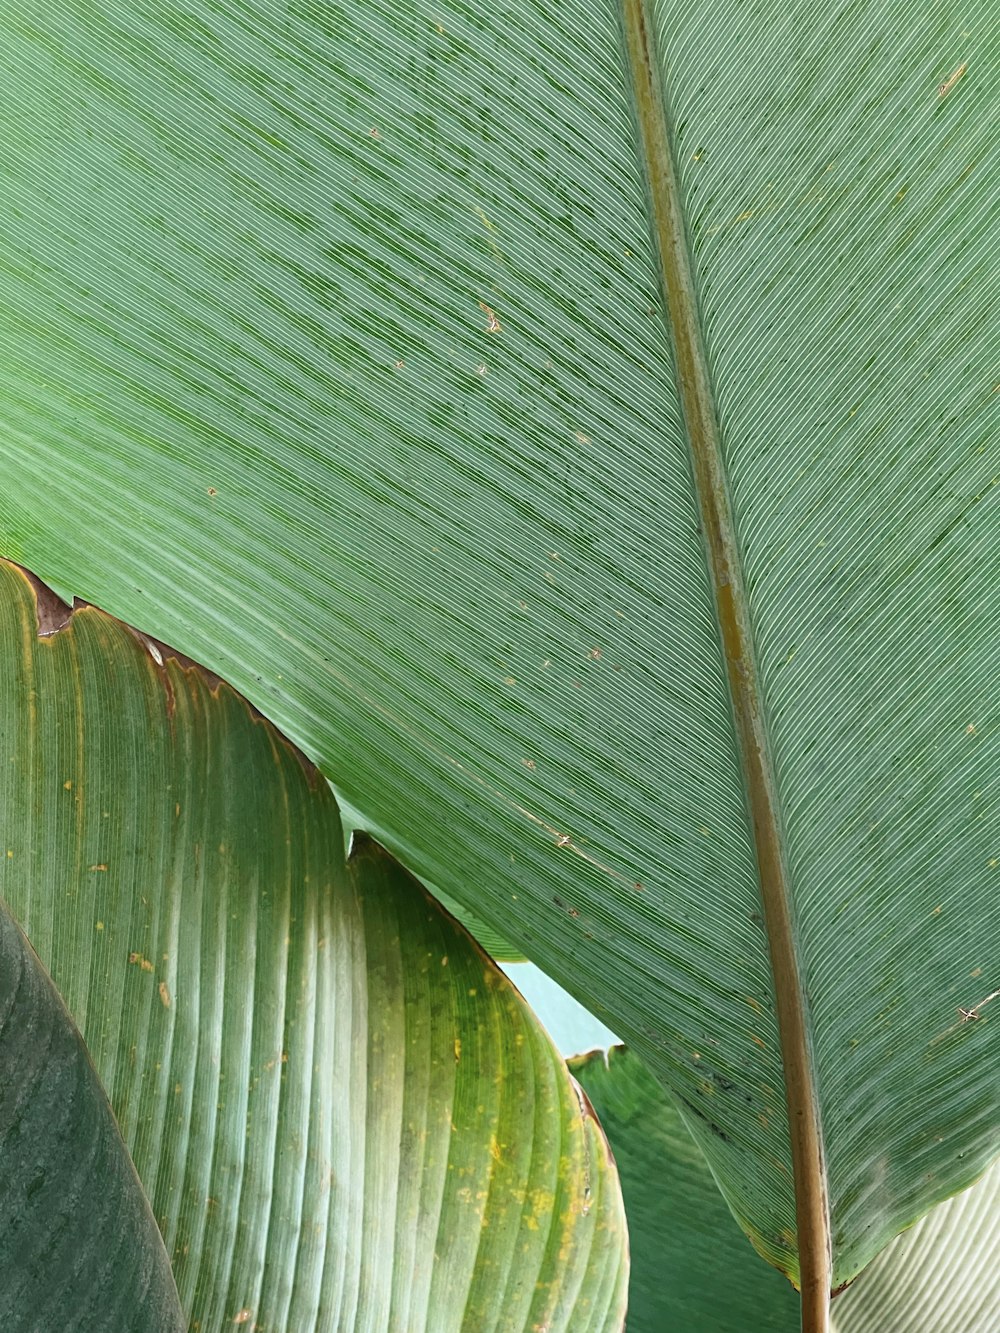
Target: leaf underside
x,y
691,1267
339,343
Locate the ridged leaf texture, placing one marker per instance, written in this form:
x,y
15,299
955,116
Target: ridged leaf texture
x,y
344,1115
574,426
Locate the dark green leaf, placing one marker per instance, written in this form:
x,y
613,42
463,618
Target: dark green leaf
x,y
79,1249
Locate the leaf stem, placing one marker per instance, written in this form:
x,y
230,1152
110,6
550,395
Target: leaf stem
x,y
811,1202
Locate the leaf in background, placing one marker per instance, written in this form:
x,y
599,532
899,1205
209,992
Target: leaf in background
x,y
941,1276
490,940
79,1249
344,1115
393,361
692,1267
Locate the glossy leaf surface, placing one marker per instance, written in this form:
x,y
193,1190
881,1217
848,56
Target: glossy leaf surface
x,y
79,1249
572,425
344,1115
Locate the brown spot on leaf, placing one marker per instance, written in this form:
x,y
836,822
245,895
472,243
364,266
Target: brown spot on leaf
x,y
945,88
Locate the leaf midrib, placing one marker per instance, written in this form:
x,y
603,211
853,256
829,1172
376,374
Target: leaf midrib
x,y
701,421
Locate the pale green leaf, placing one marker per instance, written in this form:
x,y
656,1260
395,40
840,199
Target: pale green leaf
x,y
941,1276
344,1115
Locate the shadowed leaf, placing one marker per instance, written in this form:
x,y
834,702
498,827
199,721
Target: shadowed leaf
x,y
79,1249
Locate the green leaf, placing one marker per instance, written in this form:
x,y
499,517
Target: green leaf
x,y
79,1249
941,1276
571,424
692,1267
344,1115
489,940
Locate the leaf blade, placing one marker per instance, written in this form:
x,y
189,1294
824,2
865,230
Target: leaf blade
x,y
79,1248
343,1113
413,548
